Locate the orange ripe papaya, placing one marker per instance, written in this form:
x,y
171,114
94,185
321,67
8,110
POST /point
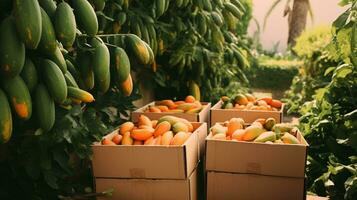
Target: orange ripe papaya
x,y
163,108
106,141
241,99
233,125
162,128
154,109
117,138
190,99
144,120
126,127
127,140
141,134
250,97
187,106
146,127
194,110
180,138
169,103
266,99
238,134
252,132
276,103
127,86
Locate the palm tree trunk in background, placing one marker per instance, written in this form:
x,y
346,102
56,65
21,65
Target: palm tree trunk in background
x,y
298,20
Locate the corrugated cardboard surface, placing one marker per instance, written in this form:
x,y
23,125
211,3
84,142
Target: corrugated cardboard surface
x,y
253,187
202,116
286,160
249,116
150,189
156,162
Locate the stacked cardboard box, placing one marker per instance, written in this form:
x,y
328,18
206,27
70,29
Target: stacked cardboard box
x,y
220,115
149,172
252,171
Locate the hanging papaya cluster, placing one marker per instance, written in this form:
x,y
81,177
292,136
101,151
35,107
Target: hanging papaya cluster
x,y
50,54
194,41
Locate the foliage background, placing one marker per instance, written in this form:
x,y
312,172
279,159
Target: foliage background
x,y
329,80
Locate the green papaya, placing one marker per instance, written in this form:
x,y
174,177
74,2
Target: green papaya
x,y
121,18
58,58
29,74
5,119
12,50
269,123
48,42
54,80
101,65
121,64
85,17
266,136
49,6
160,7
99,4
28,22
79,94
287,138
19,96
138,48
45,108
65,24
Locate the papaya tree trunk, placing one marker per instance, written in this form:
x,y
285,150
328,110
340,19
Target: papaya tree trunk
x,y
297,23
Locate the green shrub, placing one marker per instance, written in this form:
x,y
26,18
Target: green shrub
x,y
271,73
313,47
330,120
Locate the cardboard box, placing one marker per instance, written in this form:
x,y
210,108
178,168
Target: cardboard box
x,y
202,116
249,116
229,186
285,160
150,189
151,162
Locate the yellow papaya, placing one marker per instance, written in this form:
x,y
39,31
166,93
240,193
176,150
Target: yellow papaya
x,y
252,132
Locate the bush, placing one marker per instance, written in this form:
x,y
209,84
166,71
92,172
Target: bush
x,y
329,121
313,47
272,73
